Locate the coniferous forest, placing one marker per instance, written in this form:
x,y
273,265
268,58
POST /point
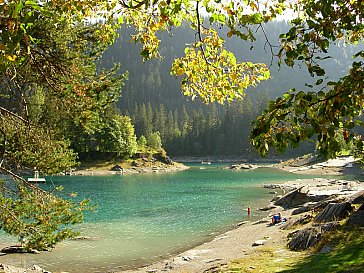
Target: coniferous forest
x,y
153,99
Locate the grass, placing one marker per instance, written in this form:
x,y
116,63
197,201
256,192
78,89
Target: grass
x,y
265,261
346,255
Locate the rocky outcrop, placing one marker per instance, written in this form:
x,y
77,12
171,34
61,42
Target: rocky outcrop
x,y
242,167
293,199
310,237
304,239
334,211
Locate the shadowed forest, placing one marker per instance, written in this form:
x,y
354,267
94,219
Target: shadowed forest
x,y
153,100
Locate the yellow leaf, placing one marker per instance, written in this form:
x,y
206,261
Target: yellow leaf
x,y
253,6
11,58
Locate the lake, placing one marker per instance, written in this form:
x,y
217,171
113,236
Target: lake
x,y
145,217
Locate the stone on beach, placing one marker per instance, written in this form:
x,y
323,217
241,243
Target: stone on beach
x,y
259,242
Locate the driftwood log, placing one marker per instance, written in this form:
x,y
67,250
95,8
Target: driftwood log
x,y
333,212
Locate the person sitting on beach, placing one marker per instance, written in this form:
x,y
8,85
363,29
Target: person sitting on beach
x,y
276,218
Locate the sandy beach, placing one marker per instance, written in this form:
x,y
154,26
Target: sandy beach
x,y
234,244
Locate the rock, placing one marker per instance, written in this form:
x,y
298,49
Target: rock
x,y
13,269
293,199
357,198
272,186
301,210
14,249
305,239
18,249
117,168
242,223
334,211
329,226
259,243
301,221
357,218
135,164
242,167
326,249
162,157
186,258
276,198
267,208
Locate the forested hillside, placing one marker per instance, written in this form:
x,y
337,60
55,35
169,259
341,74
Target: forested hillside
x,y
153,98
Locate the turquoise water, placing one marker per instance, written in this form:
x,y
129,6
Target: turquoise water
x,y
142,218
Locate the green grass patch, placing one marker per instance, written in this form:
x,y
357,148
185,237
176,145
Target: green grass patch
x,y
346,255
266,260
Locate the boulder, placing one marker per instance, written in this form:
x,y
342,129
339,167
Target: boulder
x,y
135,164
357,198
357,218
117,168
259,243
162,157
334,211
293,199
304,239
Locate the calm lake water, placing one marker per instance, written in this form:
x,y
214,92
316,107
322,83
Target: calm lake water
x,y
142,218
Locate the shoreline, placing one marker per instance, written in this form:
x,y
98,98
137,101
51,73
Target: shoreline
x,y
219,250
128,169
237,242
